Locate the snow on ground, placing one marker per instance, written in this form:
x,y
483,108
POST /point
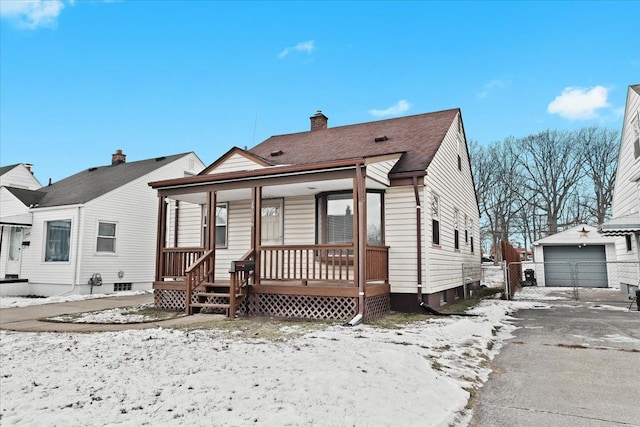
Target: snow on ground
x,y
305,375
16,301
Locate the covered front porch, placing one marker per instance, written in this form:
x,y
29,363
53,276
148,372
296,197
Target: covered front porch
x,y
270,254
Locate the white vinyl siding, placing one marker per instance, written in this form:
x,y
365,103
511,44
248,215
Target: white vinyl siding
x,y
625,196
236,162
33,265
10,204
401,237
19,177
456,191
238,236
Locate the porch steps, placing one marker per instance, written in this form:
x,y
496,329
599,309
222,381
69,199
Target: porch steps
x,y
220,293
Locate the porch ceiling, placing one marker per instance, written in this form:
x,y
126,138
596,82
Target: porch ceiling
x,y
279,191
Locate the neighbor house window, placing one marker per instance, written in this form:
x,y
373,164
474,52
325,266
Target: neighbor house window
x,y
222,211
628,240
335,224
435,219
456,231
58,240
466,229
471,228
106,237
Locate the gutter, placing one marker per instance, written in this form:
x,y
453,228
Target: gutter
x,y
418,237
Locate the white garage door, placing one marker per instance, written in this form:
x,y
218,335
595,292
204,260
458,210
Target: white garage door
x,y
587,265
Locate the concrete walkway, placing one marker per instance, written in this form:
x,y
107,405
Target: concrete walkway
x,y
26,319
576,364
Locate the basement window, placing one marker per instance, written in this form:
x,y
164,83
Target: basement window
x,y
118,287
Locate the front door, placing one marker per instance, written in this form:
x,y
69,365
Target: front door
x,y
272,225
14,253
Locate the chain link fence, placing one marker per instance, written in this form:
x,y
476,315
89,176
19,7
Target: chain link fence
x,y
580,276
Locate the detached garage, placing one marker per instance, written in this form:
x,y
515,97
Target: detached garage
x,y
579,256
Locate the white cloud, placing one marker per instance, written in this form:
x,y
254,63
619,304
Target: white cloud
x,y
32,14
400,107
493,85
308,46
579,103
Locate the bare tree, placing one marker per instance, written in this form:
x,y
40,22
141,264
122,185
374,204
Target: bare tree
x,y
551,166
496,179
600,164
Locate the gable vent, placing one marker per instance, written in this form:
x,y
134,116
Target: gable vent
x,y
381,138
277,153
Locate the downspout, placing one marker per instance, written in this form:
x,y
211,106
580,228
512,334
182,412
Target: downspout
x,y
418,237
78,250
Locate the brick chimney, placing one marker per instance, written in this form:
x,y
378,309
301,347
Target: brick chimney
x,y
118,157
319,121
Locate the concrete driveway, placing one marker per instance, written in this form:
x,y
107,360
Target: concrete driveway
x,y
575,364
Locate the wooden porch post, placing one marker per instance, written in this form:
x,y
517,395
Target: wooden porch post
x,y
256,229
212,203
360,217
161,236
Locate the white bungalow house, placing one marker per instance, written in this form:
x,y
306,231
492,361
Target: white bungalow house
x,y
345,222
625,208
94,222
16,185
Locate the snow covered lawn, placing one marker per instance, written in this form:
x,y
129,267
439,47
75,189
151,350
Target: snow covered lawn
x,y
254,373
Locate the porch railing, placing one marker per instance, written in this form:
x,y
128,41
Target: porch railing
x,y
175,261
377,269
301,263
321,263
199,273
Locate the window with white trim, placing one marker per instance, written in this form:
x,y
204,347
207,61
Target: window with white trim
x,y
435,219
471,228
456,229
335,217
106,241
222,212
58,240
466,229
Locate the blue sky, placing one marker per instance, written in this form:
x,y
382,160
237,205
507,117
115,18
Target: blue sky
x,y
80,79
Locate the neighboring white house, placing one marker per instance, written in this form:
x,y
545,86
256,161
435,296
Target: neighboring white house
x,y
578,257
380,214
16,181
101,220
625,208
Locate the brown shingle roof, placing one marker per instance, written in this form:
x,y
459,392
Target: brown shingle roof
x,y
418,136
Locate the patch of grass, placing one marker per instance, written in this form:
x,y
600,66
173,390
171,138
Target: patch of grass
x,y
395,320
257,328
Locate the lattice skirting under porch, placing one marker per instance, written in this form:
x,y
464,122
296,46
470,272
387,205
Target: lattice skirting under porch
x,y
169,299
296,306
377,306
303,306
